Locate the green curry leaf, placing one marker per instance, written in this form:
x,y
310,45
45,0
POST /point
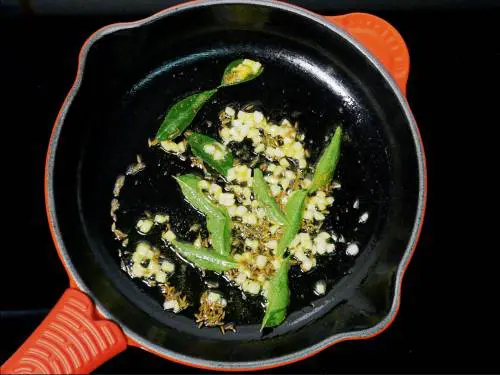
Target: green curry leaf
x,y
182,113
241,70
294,213
204,258
218,219
278,297
263,195
201,145
325,168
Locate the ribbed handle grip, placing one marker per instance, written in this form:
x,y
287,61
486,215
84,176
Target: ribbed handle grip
x,y
71,340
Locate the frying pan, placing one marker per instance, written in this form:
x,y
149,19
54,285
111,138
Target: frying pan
x,y
350,69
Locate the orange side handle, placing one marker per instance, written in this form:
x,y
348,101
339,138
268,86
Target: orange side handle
x,y
381,39
69,341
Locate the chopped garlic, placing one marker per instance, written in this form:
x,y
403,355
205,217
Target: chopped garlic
x,y
258,117
241,210
285,184
305,241
247,192
197,243
144,225
247,255
167,266
172,305
295,241
161,277
306,264
284,163
352,249
226,199
153,267
276,263
306,183
274,228
138,270
261,213
144,249
261,278
120,181
250,219
213,297
356,204
321,244
309,215
260,148
168,236
231,210
271,180
251,287
275,189
240,279
273,244
215,190
240,173
363,218
252,244
170,146
261,261
299,255
320,287
225,135
324,235
230,112
161,218
319,216
115,205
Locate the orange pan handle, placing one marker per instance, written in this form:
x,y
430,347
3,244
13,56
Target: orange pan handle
x,y
71,340
381,39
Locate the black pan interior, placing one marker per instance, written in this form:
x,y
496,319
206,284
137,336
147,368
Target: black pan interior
x,y
131,77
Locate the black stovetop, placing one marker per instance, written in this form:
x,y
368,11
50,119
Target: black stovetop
x,y
455,56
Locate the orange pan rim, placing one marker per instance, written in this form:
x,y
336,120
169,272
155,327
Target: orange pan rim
x,y
244,365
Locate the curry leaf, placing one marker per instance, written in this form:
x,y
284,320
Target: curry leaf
x,y
182,113
263,195
325,168
218,220
204,258
240,71
211,152
278,297
219,227
193,194
294,213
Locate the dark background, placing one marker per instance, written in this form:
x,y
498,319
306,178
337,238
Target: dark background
x,y
448,321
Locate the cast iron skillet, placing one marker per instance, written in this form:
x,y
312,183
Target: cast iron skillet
x,y
128,76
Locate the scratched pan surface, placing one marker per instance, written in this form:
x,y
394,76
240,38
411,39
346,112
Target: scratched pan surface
x,y
312,74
